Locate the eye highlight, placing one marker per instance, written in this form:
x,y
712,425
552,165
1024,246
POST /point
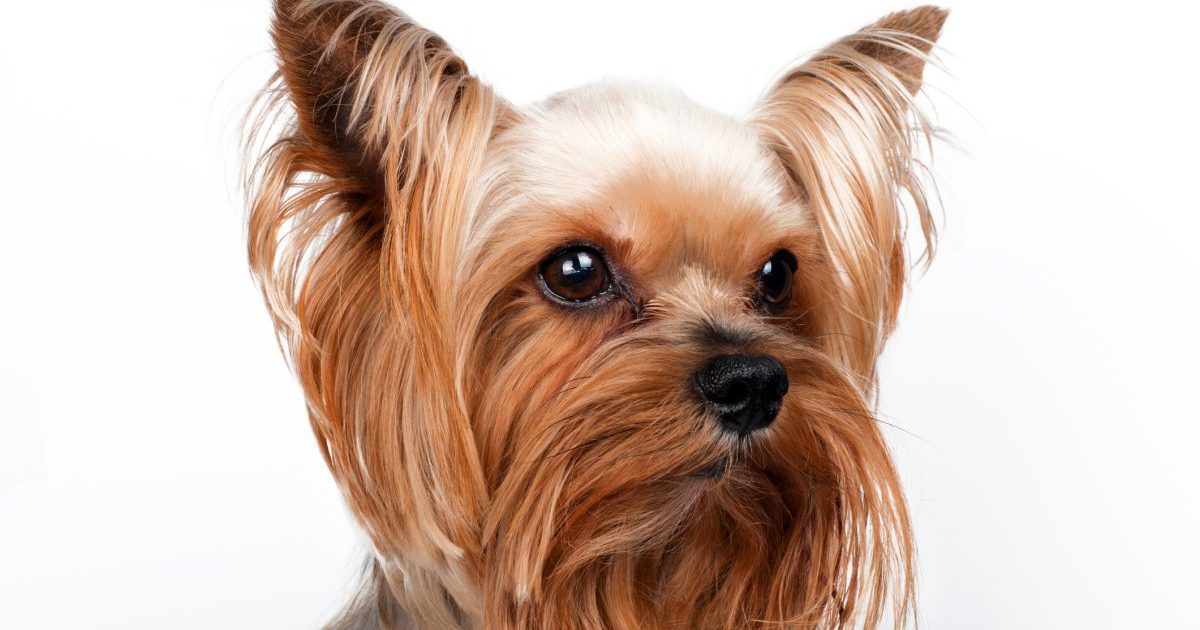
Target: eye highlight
x,y
577,274
775,280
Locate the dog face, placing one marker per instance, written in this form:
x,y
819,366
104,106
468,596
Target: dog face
x,y
607,360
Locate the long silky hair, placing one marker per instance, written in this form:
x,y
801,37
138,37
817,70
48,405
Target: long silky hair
x,y
380,161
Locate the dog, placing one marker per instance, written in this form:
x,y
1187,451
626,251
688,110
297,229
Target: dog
x,y
606,361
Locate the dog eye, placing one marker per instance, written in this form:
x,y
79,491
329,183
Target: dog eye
x,y
577,274
775,279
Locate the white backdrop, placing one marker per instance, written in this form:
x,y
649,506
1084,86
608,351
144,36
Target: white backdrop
x,y
156,469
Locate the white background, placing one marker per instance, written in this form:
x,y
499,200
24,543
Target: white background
x,y
156,469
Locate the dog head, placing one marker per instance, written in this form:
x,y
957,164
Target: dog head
x,y
607,360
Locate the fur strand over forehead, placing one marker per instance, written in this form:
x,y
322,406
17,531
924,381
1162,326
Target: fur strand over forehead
x,y
573,145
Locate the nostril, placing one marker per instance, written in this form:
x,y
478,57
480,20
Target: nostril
x,y
735,393
745,392
775,383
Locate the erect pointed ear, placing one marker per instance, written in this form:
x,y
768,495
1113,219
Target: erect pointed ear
x,y
902,41
358,213
845,129
373,90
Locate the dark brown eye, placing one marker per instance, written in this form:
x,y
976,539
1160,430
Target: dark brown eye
x,y
775,279
577,274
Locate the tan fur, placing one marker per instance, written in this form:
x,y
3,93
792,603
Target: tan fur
x,y
518,464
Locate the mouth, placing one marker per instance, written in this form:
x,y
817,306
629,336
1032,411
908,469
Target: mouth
x,y
734,458
714,471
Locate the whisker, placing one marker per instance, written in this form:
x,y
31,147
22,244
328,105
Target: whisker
x,y
876,418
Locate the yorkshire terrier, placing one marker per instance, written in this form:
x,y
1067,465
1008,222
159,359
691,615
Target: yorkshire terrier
x,y
606,361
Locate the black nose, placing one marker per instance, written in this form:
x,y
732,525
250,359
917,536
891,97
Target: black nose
x,y
744,391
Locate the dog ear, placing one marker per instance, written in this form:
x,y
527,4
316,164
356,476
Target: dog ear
x,y
845,129
357,215
370,86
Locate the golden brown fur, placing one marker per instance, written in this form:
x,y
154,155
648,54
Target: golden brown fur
x,y
518,464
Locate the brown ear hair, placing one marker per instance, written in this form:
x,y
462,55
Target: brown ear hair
x,y
356,216
845,129
358,72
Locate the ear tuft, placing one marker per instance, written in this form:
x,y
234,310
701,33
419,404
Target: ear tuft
x,y
902,41
925,22
357,70
320,46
